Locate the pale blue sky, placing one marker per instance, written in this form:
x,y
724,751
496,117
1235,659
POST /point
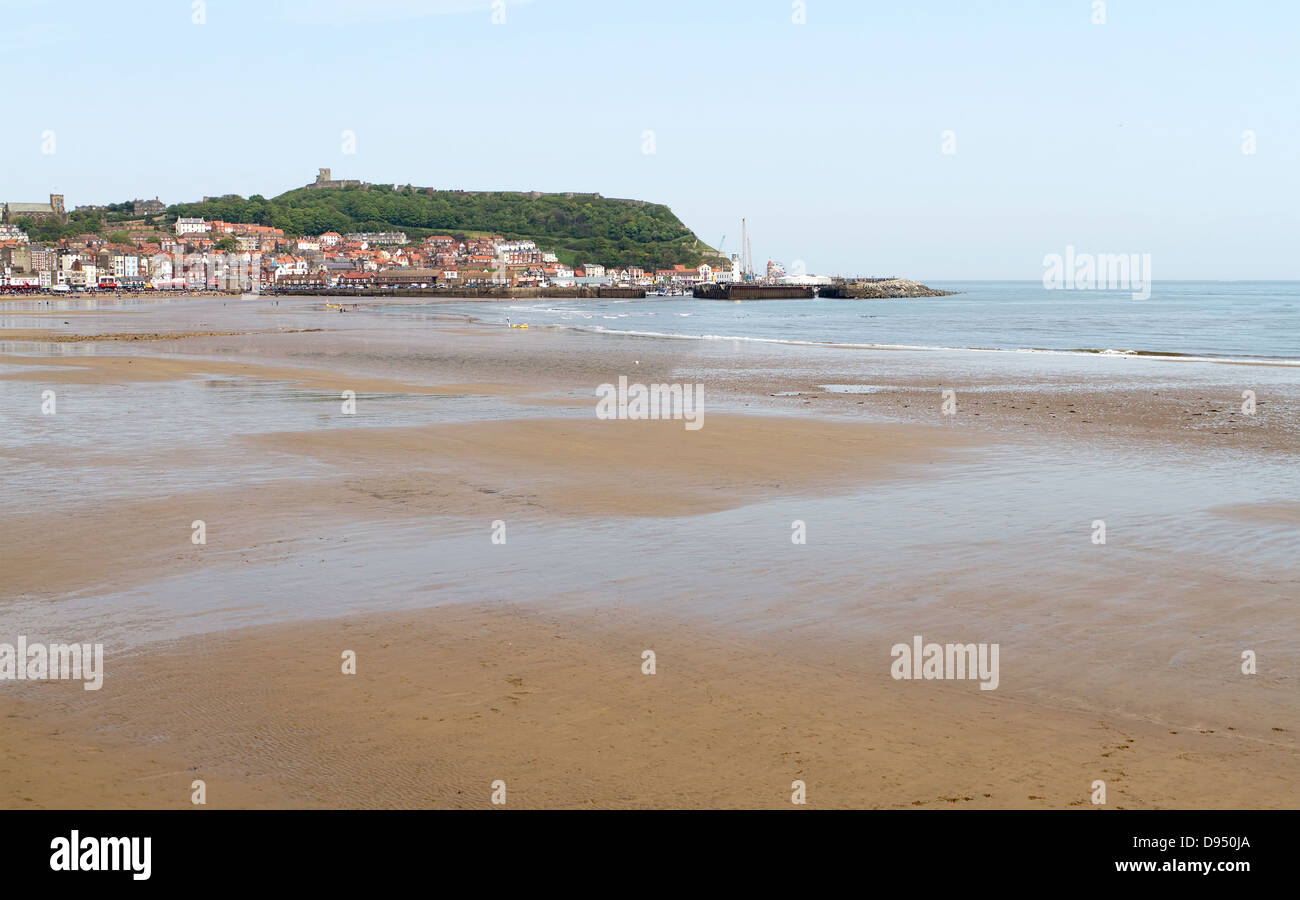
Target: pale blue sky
x,y
1117,138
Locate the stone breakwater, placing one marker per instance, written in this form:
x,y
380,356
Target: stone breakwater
x,y
881,290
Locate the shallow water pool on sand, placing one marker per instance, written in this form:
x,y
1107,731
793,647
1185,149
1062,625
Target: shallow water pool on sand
x,y
996,546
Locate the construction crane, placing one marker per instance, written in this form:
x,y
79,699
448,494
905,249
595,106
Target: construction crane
x,y
720,243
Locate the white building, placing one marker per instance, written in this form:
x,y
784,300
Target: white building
x,y
160,267
7,277
83,275
296,265
728,276
376,238
514,247
561,276
192,226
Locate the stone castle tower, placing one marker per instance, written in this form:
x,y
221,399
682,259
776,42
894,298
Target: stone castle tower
x,y
326,179
56,203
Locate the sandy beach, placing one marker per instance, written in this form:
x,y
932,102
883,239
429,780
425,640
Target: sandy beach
x,y
445,703
373,531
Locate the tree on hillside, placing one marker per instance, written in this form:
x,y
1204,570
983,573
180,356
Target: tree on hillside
x,y
600,230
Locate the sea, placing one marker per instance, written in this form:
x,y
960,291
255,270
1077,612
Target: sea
x,y
1214,320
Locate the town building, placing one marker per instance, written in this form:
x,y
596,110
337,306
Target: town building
x,y
376,238
149,207
16,256
36,212
406,278
186,226
126,265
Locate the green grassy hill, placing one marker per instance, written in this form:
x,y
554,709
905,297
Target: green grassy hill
x,y
578,227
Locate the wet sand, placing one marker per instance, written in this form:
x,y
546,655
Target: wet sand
x,y
100,369
561,468
50,336
444,703
629,536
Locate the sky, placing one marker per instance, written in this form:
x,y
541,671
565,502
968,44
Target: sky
x,y
935,139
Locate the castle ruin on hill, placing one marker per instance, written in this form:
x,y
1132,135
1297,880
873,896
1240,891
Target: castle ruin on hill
x,y
325,179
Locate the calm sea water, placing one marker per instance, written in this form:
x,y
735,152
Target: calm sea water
x,y
1234,320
